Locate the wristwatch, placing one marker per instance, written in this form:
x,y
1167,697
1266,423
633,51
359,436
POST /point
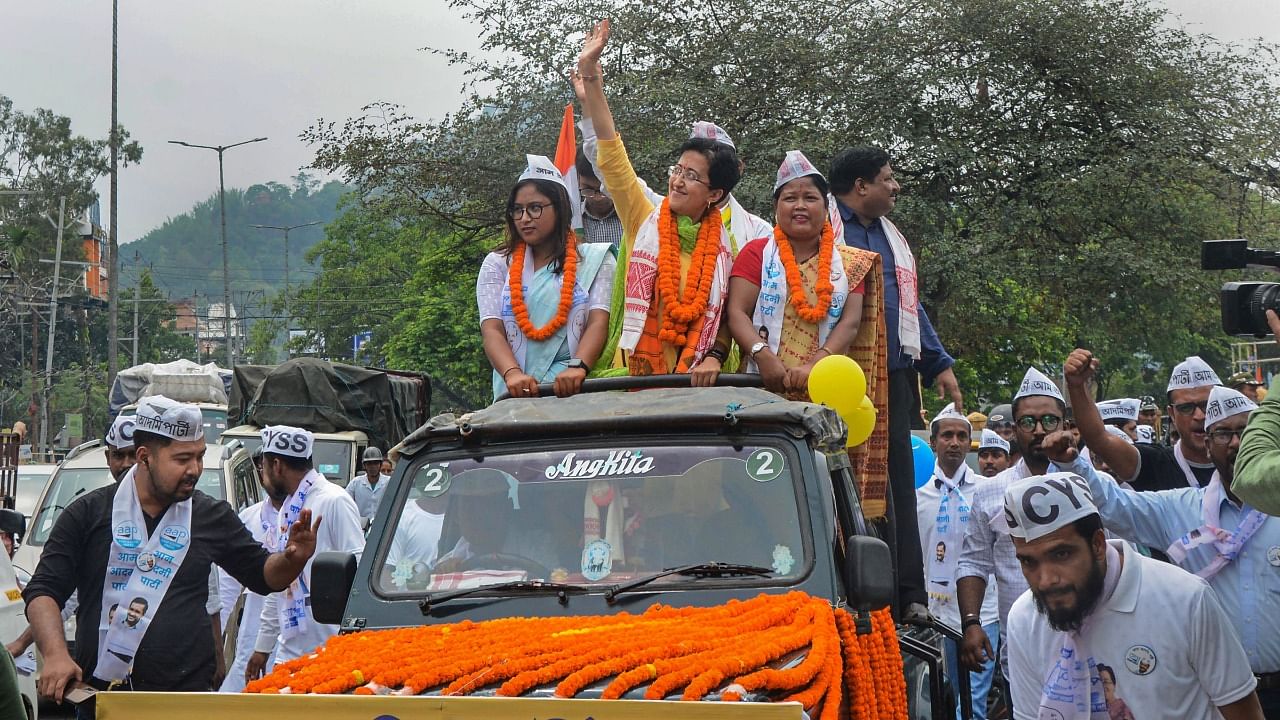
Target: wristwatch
x,y
577,364
758,347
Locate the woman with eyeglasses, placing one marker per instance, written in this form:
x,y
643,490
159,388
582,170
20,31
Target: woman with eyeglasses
x,y
543,296
677,262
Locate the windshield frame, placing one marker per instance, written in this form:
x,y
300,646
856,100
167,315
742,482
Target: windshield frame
x,y
391,513
33,536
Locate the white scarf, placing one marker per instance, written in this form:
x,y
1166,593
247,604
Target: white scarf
x,y
641,287
156,559
604,494
950,530
743,225
1185,464
905,266
292,608
908,292
771,305
1227,543
1073,689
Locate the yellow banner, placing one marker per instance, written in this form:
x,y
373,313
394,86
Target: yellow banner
x,y
166,706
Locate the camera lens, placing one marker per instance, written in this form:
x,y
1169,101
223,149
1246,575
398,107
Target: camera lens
x,y
1266,298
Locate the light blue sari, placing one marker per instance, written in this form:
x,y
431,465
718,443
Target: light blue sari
x,y
547,358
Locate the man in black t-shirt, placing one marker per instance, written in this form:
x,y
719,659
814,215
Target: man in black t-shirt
x,y
176,652
1151,467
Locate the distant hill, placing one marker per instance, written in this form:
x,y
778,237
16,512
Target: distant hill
x,y
185,253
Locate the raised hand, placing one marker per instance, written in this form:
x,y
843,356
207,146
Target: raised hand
x,y
1079,367
593,46
302,538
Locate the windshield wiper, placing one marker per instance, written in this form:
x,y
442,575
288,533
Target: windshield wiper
x,y
699,570
533,587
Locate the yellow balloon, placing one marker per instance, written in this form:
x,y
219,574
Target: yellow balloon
x,y
861,422
837,381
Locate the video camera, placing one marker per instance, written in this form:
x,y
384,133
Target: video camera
x,y
1244,304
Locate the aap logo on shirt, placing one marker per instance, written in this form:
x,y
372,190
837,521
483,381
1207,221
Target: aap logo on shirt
x,y
174,537
127,535
1140,660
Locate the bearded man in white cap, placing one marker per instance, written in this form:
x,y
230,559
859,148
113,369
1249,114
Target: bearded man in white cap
x,y
1106,632
1210,532
118,446
288,626
993,454
1038,412
942,508
151,536
1151,467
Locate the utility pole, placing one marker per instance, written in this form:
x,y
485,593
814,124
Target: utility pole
x,y
113,269
136,292
286,229
226,276
53,324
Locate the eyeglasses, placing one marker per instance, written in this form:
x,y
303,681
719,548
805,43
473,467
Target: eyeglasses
x,y
1048,422
590,192
1223,437
1189,408
534,209
676,171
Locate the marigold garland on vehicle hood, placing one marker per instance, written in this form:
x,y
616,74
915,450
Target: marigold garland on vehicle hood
x,y
730,651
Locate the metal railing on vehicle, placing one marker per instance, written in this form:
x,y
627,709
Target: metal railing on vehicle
x,y
646,382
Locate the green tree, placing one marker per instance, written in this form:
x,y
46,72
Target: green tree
x,y
1061,160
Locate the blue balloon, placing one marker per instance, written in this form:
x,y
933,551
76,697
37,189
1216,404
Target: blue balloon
x,y
922,456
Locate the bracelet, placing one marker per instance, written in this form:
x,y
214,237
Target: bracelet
x,y
823,348
590,77
718,353
513,367
970,621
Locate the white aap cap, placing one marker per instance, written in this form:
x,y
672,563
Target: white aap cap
x,y
1223,403
287,440
159,415
540,167
1041,504
1113,430
949,413
711,131
992,439
1192,373
120,434
1146,435
795,165
1125,409
1037,383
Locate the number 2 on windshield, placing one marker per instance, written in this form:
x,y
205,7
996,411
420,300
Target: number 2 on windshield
x,y
764,465
437,481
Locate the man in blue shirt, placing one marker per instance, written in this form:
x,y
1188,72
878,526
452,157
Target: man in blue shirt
x,y
1246,576
865,191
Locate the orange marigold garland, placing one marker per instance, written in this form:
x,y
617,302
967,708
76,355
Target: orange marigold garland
x,y
795,287
681,308
515,282
737,650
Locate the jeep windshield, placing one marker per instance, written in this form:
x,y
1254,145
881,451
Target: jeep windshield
x,y
595,517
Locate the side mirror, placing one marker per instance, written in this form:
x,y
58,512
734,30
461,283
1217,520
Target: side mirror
x,y
14,523
868,573
332,574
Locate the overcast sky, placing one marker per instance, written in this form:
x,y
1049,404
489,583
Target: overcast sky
x,y
220,72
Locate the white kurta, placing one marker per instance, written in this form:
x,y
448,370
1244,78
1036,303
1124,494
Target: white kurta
x,y
230,591
341,531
